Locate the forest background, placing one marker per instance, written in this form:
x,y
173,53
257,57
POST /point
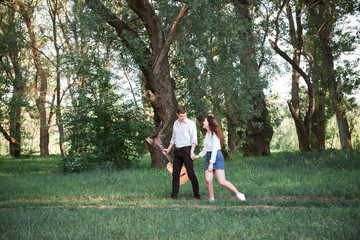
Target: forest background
x,y
91,80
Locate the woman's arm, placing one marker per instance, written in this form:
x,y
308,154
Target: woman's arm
x,y
215,147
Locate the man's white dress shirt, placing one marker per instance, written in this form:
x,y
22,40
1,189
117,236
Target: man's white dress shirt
x,y
184,134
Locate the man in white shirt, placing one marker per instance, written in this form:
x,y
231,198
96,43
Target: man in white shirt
x,y
184,138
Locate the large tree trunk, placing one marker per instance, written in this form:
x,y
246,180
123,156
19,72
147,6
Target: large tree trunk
x,y
153,62
257,138
41,99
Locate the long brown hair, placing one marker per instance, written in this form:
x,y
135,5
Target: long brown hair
x,y
214,128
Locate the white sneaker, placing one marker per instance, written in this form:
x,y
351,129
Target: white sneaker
x,y
241,197
212,199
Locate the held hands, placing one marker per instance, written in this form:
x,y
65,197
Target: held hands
x,y
165,151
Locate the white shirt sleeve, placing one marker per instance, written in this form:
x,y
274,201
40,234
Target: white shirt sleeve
x,y
215,147
203,152
193,133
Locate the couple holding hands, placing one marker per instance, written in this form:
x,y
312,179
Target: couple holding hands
x,y
184,139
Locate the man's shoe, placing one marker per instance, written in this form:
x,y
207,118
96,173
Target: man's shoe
x,y
211,199
241,197
197,197
173,197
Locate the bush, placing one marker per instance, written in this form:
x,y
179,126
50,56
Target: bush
x,y
103,133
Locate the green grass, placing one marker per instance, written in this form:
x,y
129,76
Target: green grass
x,y
289,196
179,223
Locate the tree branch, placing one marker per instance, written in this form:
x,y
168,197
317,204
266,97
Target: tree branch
x,y
170,39
289,60
277,21
9,138
122,28
310,7
311,90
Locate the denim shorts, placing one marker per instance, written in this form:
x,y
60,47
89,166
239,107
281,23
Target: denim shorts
x,y
219,163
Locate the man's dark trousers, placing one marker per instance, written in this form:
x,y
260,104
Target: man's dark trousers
x,y
182,156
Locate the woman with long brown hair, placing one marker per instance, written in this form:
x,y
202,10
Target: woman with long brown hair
x,y
214,158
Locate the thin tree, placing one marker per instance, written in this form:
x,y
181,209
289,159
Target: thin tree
x,y
40,94
53,6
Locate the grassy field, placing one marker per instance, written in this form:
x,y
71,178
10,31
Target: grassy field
x,y
289,196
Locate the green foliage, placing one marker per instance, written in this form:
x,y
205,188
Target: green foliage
x,y
101,128
213,68
332,131
102,133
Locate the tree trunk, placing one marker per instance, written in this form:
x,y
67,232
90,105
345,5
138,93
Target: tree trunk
x,y
18,85
302,124
53,11
327,12
40,100
15,105
15,130
153,62
302,127
232,122
335,95
318,125
257,138
232,138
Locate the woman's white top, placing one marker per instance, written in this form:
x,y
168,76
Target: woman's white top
x,y
211,144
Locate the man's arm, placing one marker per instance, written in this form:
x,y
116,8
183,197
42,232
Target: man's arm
x,y
193,136
172,141
192,154
169,148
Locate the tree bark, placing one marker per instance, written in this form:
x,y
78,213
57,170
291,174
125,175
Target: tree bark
x,y
153,62
258,136
41,99
232,143
318,125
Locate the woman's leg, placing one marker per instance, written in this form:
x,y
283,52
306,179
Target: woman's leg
x,y
209,178
220,175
